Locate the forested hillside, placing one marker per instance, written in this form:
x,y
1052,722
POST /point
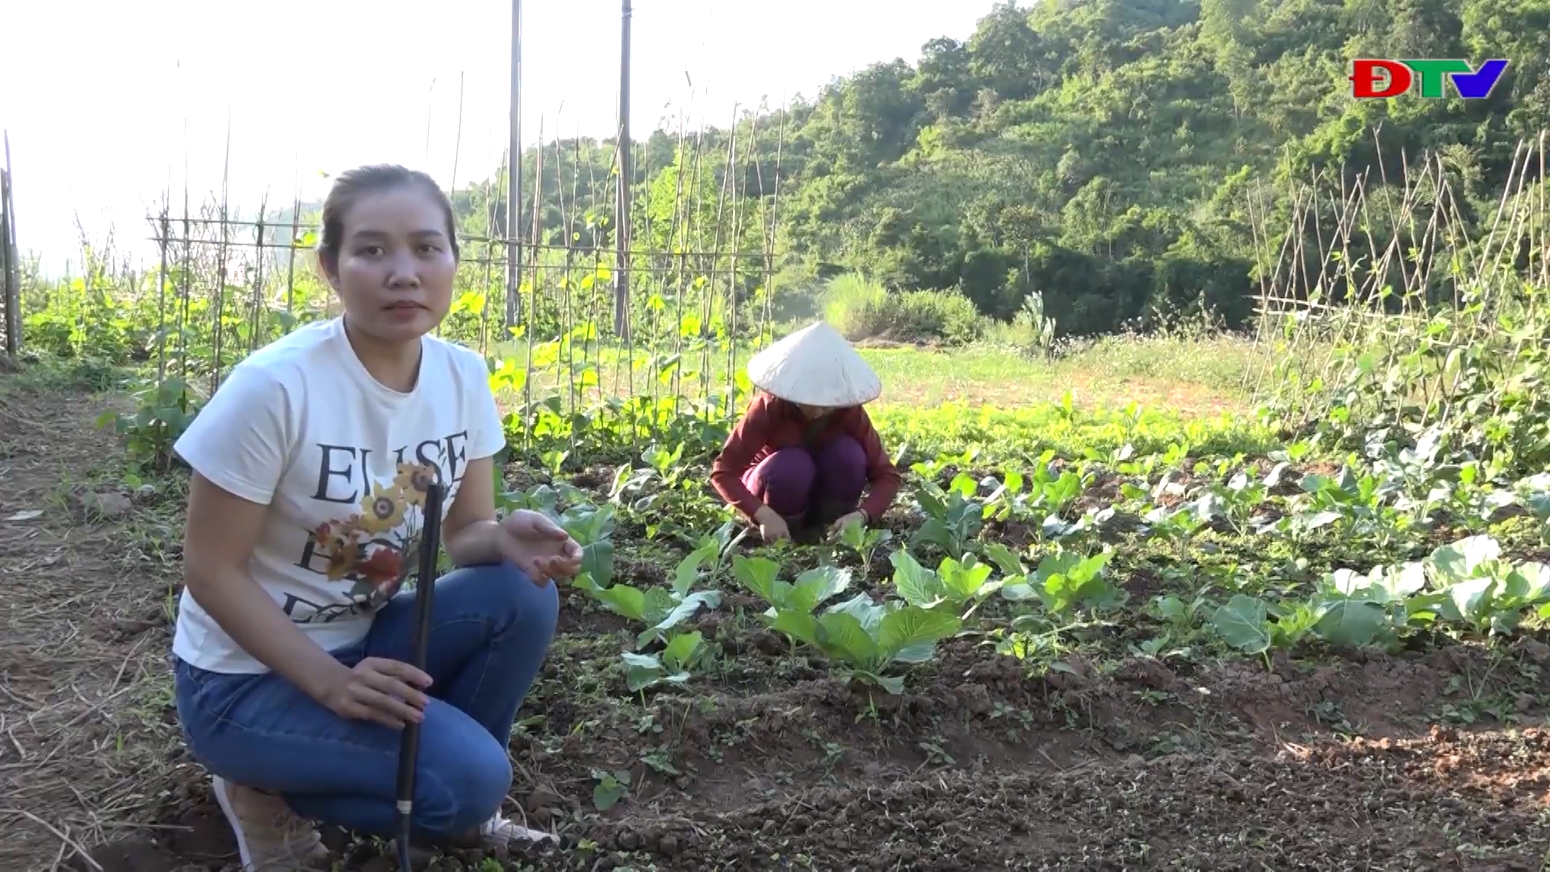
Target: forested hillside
x,y
1095,151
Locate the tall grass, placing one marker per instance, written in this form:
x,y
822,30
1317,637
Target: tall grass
x,y
851,304
863,309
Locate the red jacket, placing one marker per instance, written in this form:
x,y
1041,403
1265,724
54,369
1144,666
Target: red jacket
x,y
770,424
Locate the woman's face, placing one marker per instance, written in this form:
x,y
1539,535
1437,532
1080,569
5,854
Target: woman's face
x,y
813,413
396,265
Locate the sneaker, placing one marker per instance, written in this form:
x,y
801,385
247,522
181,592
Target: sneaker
x,y
498,832
270,837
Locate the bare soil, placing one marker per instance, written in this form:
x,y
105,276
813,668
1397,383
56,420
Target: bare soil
x,y
1431,760
85,744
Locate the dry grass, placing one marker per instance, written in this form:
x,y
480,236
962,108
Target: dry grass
x,y
1088,390
86,743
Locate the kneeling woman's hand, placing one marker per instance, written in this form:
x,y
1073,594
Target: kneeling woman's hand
x,y
389,692
838,527
772,527
538,546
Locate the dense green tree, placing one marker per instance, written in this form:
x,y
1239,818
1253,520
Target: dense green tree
x,y
1097,152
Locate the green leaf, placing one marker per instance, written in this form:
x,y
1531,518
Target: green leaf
x,y
682,611
1530,582
1019,591
597,561
935,532
607,793
624,600
893,684
912,626
854,535
1469,600
1352,623
688,572
660,603
841,634
643,670
863,609
1461,559
798,625
964,580
1243,623
916,584
1004,559
759,575
817,585
681,652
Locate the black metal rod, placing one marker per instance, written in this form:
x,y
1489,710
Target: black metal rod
x,y
425,583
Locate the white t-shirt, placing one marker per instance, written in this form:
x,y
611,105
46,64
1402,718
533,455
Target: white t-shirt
x,y
302,427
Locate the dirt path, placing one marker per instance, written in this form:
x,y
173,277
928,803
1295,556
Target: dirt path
x,y
771,763
83,726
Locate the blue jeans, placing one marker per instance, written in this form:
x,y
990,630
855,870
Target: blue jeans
x,y
490,628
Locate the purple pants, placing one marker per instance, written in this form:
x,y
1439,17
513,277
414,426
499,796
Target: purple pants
x,y
811,485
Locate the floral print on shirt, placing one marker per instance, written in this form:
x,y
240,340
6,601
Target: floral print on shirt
x,y
375,549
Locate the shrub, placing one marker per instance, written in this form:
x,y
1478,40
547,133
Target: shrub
x,y
855,306
1030,331
946,315
863,309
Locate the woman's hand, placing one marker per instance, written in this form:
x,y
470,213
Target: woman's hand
x,y
772,527
838,527
389,692
538,546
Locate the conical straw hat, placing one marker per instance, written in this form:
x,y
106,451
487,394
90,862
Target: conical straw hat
x,y
815,366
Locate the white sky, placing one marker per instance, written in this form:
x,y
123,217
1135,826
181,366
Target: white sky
x,y
98,94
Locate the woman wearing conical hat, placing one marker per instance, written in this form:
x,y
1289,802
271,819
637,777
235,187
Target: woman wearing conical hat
x,y
805,449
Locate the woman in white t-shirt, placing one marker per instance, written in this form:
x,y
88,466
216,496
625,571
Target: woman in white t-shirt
x,y
311,464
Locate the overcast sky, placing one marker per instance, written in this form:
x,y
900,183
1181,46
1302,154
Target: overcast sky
x,y
104,100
